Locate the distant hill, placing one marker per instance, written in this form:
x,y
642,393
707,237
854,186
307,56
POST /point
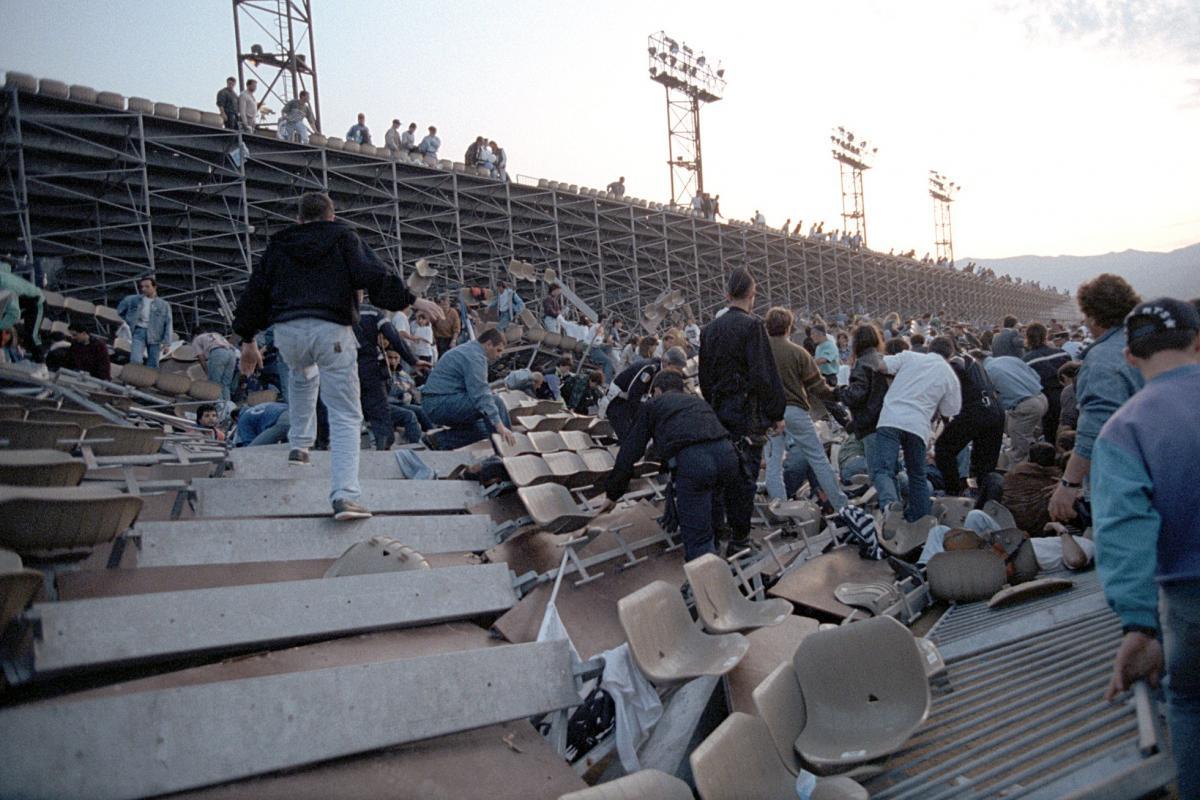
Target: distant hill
x,y
1174,274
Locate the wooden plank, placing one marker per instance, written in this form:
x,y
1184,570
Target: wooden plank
x,y
211,542
155,742
309,497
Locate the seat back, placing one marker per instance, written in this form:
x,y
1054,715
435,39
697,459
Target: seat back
x,y
125,440
84,419
952,511
547,442
1002,515
738,762
714,588
375,555
138,376
528,470
552,507
900,537
26,435
645,784
656,623
38,520
855,715
172,383
39,468
203,389
779,702
520,447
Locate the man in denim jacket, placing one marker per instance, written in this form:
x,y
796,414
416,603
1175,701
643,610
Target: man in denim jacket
x,y
149,319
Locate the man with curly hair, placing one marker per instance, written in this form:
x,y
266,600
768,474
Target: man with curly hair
x,y
1104,383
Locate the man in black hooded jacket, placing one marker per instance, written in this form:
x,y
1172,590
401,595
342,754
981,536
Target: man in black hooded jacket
x,y
306,285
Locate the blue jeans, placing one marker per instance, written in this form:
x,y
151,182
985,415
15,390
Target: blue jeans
x,y
602,357
273,435
412,418
313,350
223,370
887,447
804,450
458,413
143,352
706,482
1179,613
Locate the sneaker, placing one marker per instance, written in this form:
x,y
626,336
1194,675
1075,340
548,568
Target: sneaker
x,y
348,509
298,457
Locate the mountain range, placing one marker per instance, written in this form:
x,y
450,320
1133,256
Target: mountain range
x,y
1173,274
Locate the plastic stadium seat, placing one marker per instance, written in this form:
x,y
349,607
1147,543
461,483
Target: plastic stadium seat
x,y
900,537
172,383
722,606
778,701
111,100
737,762
108,315
204,389
351,147
553,508
317,140
962,576
1001,514
39,468
59,326
166,110
212,119
377,554
536,423
84,94
52,88
140,105
123,440
444,163
542,182
668,647
82,308
23,81
951,511
84,419
860,714
26,435
18,586
139,376
334,143
529,470
646,784
190,114
37,520
573,188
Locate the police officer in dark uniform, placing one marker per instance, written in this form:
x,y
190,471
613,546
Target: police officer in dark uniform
x,y
632,385
696,447
739,380
980,423
373,375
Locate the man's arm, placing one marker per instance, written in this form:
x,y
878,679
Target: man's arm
x,y
764,377
254,306
397,342
951,403
480,393
633,447
810,376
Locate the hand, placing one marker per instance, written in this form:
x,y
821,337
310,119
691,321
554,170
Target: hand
x,y
1139,657
251,358
431,309
1062,503
507,436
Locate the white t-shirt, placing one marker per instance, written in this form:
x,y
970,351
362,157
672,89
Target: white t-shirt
x,y
143,320
400,322
1073,349
923,383
423,347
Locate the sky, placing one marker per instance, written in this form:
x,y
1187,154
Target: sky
x,y
1070,124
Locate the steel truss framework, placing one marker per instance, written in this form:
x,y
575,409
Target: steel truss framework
x,y
119,194
943,233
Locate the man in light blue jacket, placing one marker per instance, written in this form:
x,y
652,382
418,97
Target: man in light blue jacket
x,y
456,393
149,319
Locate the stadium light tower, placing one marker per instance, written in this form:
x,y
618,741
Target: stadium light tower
x,y
854,157
280,66
689,80
943,191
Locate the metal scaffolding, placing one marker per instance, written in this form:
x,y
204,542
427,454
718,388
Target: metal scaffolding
x,y
118,194
943,192
282,67
854,157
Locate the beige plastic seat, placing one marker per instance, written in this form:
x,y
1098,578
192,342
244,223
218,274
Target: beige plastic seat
x,y
317,140
875,597
190,114
900,537
521,446
53,299
18,586
548,441
108,315
667,646
963,576
205,390
212,119
37,520
334,143
578,422
1011,595
1001,514
84,94
124,440
859,714
269,395
184,353
535,423
577,441
528,318
737,762
172,383
39,468
375,555
571,470
598,461
26,435
84,419
569,343
513,334
601,429
515,400
59,326
83,308
140,105
778,701
552,340
53,88
351,147
139,376
197,372
528,470
553,508
166,110
645,784
111,100
952,511
21,80
722,606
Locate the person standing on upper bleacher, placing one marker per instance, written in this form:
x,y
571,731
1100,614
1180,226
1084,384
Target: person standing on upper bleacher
x,y
429,147
248,107
500,167
150,323
293,116
617,187
227,102
408,139
552,310
391,138
306,285
359,133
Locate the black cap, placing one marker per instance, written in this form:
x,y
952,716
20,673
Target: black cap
x,y
1160,316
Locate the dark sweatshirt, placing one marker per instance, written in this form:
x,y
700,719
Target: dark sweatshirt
x,y
312,271
738,377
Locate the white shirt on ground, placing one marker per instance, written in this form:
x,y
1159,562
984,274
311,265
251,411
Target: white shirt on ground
x,y
923,383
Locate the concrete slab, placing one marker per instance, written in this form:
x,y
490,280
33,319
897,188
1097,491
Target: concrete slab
x,y
86,634
271,462
210,542
309,497
154,742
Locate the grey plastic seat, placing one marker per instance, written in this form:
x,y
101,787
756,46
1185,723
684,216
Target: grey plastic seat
x,y
568,469
578,422
84,94
668,647
577,441
548,441
722,606
317,140
738,762
108,315
82,308
189,114
123,440
598,461
536,423
111,100
375,555
513,334
778,701
553,508
172,383
21,80
204,390
37,520
140,105
53,88
963,576
521,445
900,537
645,784
1001,514
27,435
528,470
18,586
952,511
139,376
856,715
166,110
39,468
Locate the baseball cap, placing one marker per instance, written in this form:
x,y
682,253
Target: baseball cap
x,y
1161,316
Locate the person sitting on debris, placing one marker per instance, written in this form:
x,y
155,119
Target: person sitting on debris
x,y
628,390
1028,487
456,393
404,402
206,418
88,353
1147,521
580,393
696,448
265,423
